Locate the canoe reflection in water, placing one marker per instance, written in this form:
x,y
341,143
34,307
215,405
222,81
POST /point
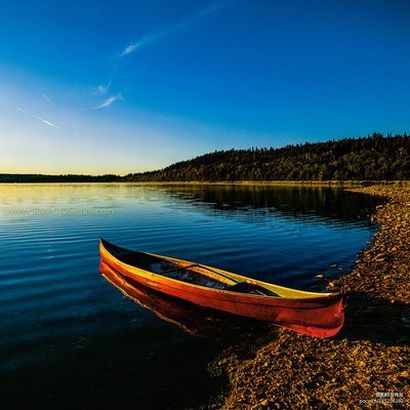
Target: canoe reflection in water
x,y
194,320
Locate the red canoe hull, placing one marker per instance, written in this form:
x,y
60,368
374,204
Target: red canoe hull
x,y
320,317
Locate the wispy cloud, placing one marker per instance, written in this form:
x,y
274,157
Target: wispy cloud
x,y
147,39
46,122
152,37
46,97
108,101
103,88
21,110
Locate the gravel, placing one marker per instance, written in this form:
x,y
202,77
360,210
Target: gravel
x,y
367,364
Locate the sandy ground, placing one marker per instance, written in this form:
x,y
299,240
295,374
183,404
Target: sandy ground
x,y
368,364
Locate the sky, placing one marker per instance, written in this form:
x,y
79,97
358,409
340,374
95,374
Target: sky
x,y
126,86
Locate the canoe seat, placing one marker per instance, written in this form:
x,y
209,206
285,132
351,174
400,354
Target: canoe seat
x,y
244,287
187,274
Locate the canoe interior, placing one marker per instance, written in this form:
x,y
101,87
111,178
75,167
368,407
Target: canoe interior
x,y
182,271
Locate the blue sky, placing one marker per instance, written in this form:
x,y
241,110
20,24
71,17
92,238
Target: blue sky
x,y
125,86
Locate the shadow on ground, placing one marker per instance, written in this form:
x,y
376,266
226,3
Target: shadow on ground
x,y
376,320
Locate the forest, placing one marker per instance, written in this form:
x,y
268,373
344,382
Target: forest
x,y
375,157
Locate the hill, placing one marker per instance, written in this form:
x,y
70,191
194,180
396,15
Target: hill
x,y
374,157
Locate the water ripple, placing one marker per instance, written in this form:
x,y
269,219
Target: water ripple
x,y
50,288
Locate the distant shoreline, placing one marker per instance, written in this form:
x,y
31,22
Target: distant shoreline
x,y
373,159
342,183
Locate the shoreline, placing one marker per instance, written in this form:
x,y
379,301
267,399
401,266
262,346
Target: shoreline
x,y
345,184
369,357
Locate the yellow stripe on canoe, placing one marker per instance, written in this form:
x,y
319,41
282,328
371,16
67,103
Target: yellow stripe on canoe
x,y
221,275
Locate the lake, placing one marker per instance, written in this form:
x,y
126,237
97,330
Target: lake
x,y
69,339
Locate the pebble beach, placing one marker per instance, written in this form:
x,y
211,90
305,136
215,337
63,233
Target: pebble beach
x,y
367,364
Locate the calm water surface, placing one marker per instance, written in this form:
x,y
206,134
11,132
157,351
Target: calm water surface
x,y
69,337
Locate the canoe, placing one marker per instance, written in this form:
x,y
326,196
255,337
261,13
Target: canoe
x,y
193,319
309,313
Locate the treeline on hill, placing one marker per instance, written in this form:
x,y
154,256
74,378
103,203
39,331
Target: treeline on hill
x,y
57,178
372,158
375,158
